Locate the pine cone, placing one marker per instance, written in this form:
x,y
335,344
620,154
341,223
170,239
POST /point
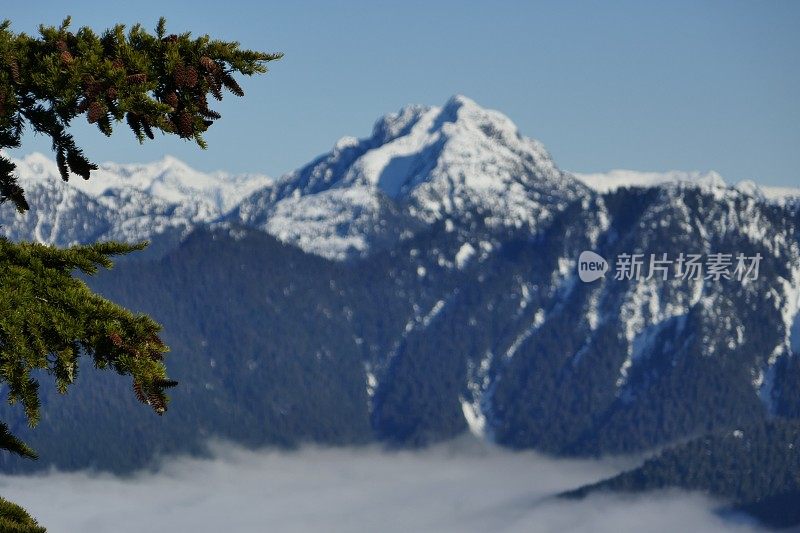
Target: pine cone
x,y
95,112
179,75
191,77
137,78
209,64
111,92
61,44
66,57
115,339
185,76
185,124
137,390
157,402
171,99
91,88
14,68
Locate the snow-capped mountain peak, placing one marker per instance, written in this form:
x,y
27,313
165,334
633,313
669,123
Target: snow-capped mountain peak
x,y
420,164
408,148
120,201
168,179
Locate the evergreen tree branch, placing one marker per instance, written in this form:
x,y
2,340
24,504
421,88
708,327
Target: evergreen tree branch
x,y
14,519
12,444
49,318
154,82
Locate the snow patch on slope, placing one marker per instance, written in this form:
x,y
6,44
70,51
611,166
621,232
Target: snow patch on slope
x,y
478,405
333,224
464,255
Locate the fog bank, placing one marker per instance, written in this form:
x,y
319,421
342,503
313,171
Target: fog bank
x,y
453,487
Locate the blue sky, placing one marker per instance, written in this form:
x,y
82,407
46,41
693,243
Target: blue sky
x,y
641,85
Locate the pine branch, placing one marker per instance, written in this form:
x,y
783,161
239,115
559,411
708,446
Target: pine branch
x,y
12,444
14,519
151,81
49,318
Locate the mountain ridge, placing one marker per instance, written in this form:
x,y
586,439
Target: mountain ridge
x,y
418,165
613,179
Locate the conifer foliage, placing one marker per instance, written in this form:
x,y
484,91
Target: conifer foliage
x,y
14,519
48,316
151,81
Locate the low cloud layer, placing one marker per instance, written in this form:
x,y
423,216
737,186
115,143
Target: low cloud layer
x,y
454,487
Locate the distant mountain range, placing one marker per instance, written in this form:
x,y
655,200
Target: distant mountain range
x,y
422,282
418,166
614,179
125,202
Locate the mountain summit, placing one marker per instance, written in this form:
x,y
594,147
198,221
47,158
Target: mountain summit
x,y
419,165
